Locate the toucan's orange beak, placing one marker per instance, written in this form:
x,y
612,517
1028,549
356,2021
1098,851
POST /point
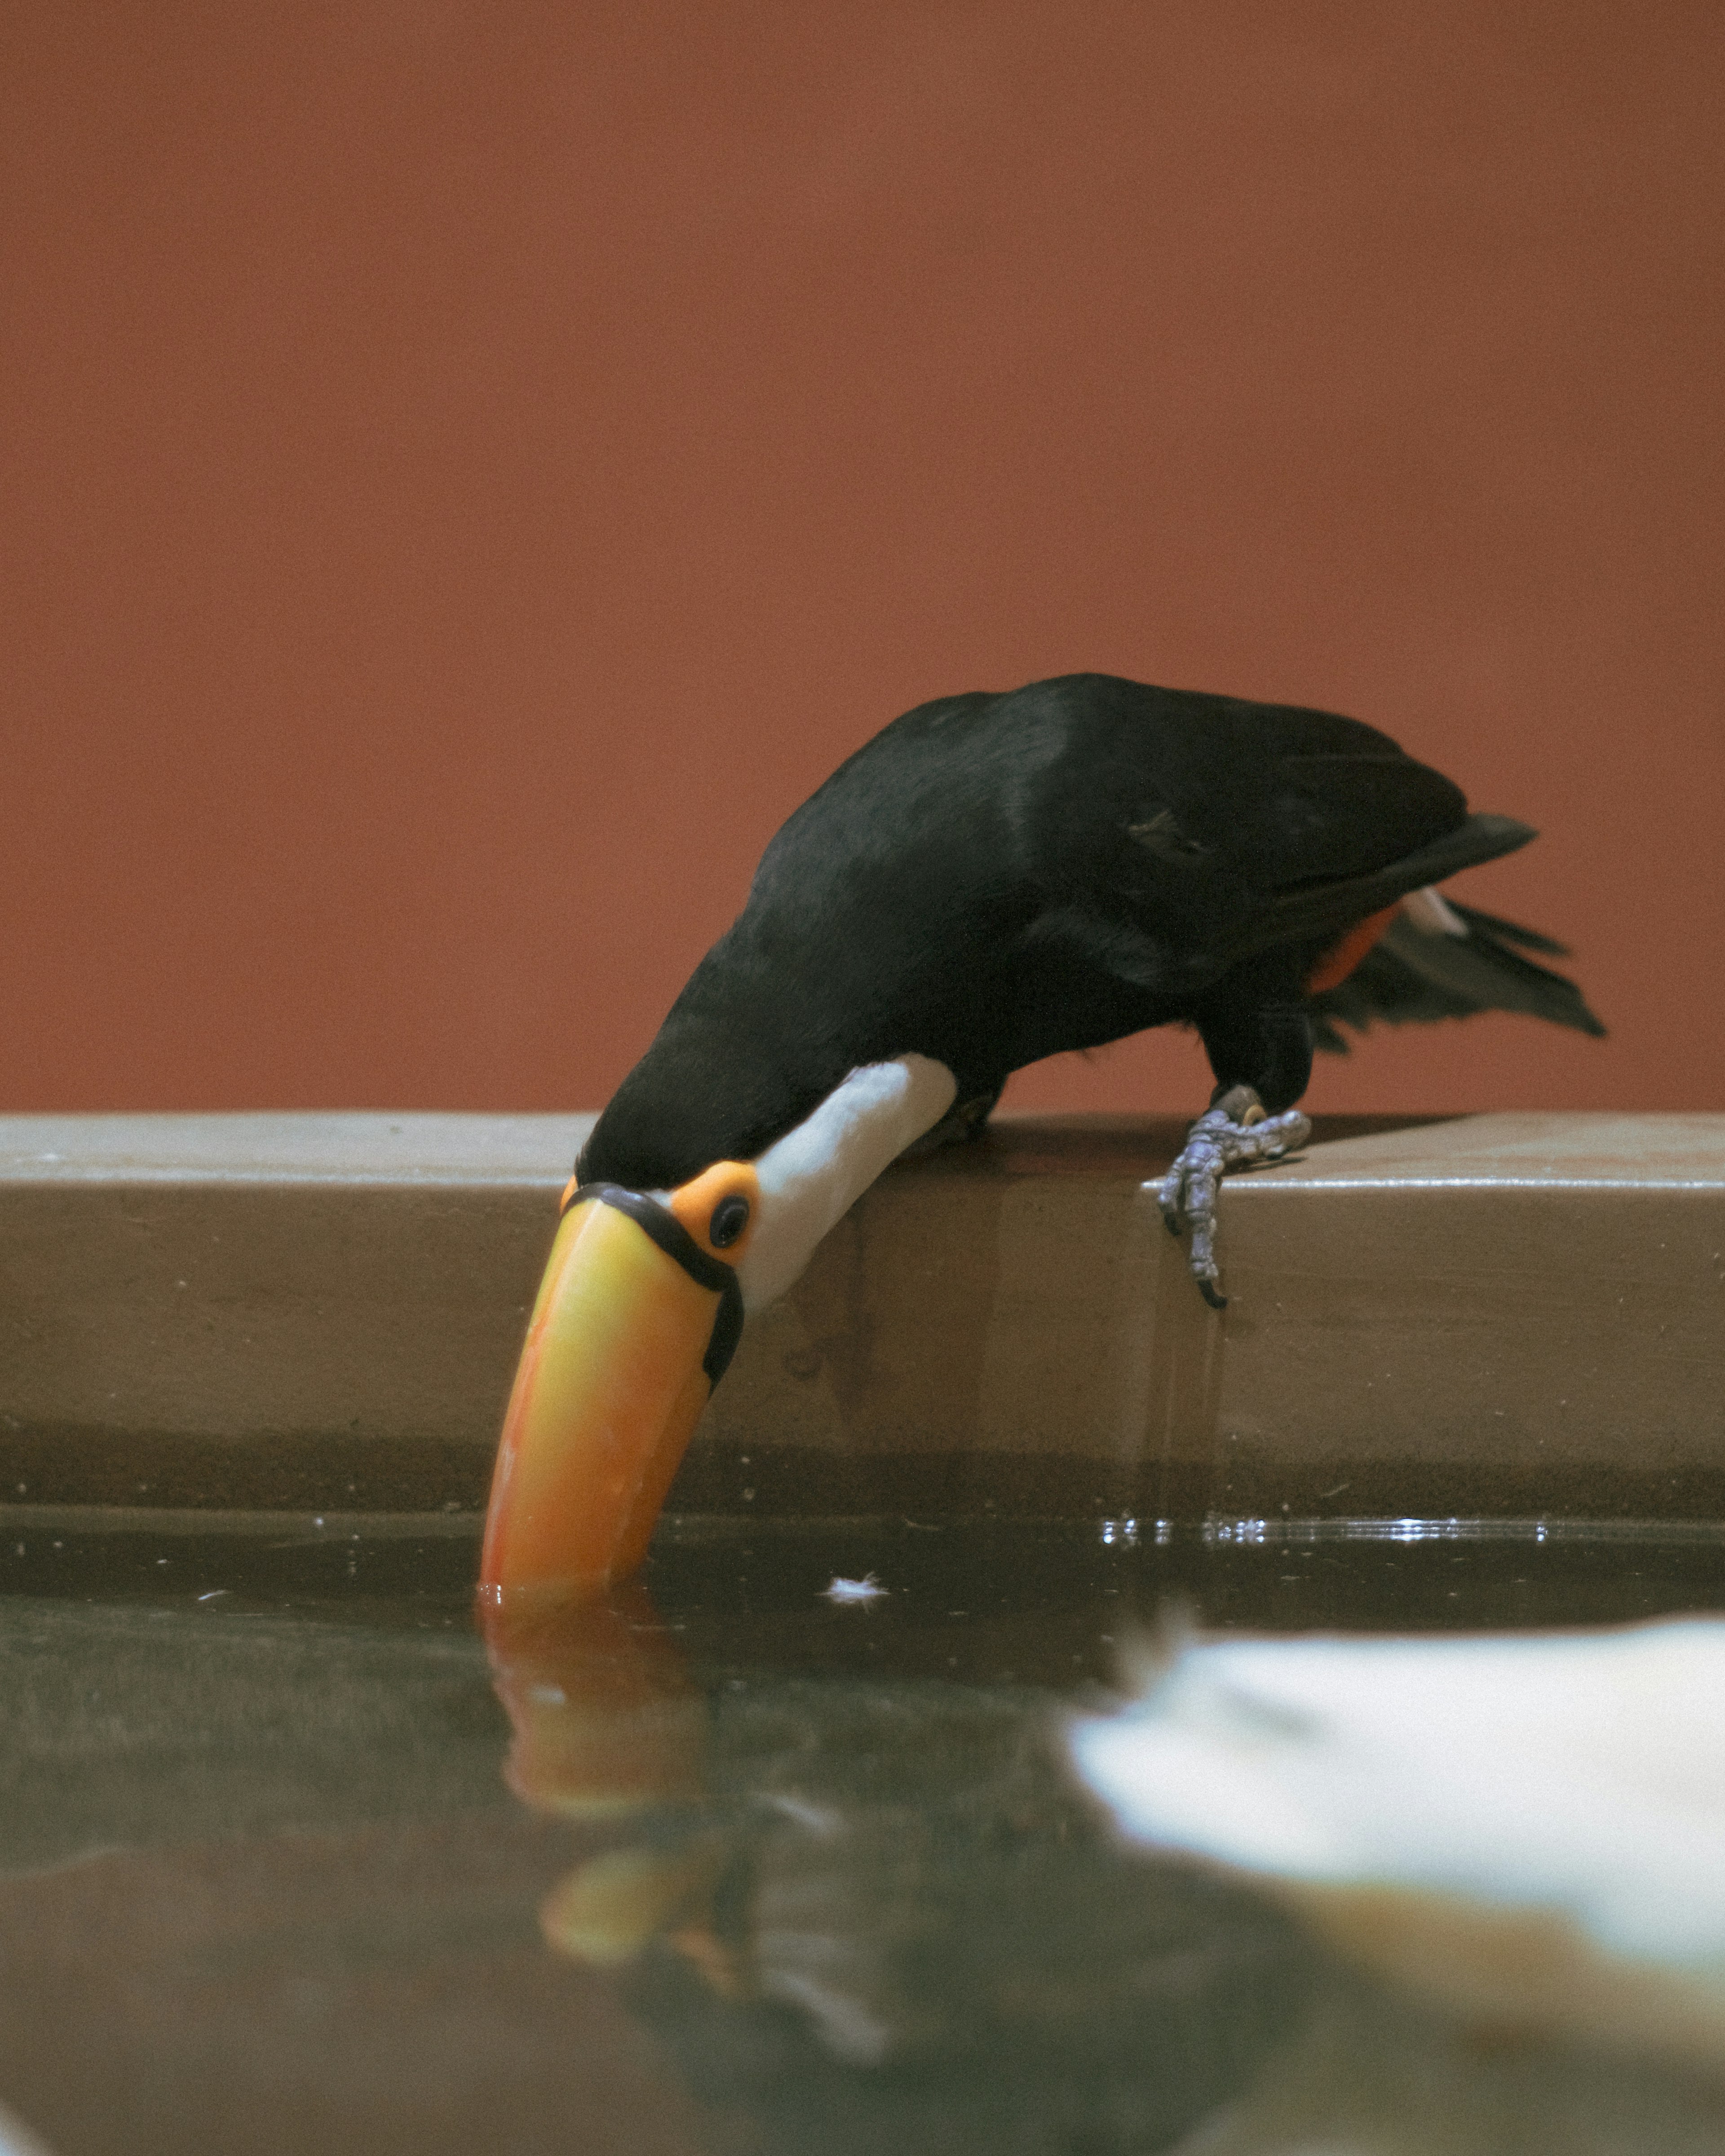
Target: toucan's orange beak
x,y
636,1319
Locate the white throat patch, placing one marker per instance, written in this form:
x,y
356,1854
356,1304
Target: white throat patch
x,y
815,1174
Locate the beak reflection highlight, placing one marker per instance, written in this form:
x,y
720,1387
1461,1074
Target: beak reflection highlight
x,y
636,1319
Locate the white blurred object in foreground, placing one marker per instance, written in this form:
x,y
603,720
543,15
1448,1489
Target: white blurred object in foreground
x,y
1529,1827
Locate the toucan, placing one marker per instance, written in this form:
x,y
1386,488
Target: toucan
x,y
993,879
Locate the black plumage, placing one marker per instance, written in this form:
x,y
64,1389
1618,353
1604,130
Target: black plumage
x,y
997,878
1409,977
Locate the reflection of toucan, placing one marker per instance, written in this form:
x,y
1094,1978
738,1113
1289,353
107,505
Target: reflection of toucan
x,y
870,1912
992,880
609,1728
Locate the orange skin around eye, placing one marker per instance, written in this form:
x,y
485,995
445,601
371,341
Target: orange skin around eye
x,y
695,1204
697,1201
1340,960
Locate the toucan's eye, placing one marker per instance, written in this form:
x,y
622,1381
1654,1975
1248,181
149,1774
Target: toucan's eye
x,y
731,1216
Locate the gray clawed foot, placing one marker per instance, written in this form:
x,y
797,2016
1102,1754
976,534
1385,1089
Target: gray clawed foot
x,y
1217,1143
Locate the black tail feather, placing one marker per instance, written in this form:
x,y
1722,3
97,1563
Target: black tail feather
x,y
1412,978
1509,931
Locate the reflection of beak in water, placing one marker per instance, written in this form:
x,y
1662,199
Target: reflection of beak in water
x,y
606,1721
608,1726
880,1879
607,1910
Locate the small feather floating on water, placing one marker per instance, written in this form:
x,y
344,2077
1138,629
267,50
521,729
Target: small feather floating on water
x,y
864,1591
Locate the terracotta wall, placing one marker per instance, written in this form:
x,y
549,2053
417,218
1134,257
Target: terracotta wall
x,y
471,466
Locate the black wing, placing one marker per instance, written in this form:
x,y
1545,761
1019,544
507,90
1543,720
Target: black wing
x,y
1411,977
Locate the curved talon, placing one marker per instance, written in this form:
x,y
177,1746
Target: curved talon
x,y
1217,1142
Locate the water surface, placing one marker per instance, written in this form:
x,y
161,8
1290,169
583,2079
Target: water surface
x,y
292,1858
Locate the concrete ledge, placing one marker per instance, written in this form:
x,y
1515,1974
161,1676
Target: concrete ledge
x,y
1491,1316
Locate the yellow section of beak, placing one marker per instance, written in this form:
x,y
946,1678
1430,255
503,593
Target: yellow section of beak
x,y
609,1391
